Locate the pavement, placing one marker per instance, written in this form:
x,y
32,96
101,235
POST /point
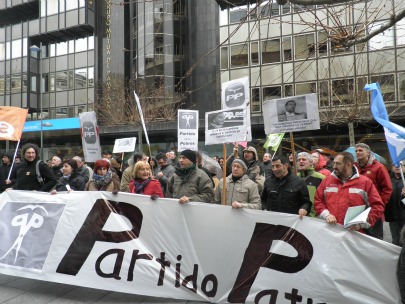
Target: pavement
x,y
16,290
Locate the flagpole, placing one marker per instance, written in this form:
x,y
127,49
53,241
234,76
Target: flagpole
x,y
12,163
223,197
293,153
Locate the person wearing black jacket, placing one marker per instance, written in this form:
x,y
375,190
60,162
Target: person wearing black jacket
x,y
284,191
395,209
71,180
5,167
26,177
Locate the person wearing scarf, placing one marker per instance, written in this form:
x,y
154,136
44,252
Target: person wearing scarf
x,y
189,183
70,180
103,179
241,191
143,183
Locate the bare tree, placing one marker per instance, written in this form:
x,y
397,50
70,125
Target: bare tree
x,y
116,105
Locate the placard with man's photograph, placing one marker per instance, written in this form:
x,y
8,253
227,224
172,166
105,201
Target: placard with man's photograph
x,y
225,126
291,114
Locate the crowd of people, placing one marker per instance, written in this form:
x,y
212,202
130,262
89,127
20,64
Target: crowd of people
x,y
325,185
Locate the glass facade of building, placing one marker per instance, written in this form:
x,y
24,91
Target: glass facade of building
x,y
287,51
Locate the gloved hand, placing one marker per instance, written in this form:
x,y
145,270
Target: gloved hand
x,y
154,197
115,191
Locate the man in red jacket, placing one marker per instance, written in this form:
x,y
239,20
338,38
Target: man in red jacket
x,y
374,170
345,188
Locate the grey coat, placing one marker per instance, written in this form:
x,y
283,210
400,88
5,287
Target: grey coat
x,y
197,187
244,191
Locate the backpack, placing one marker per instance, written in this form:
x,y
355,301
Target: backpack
x,y
39,177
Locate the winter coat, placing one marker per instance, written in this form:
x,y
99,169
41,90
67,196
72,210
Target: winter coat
x,y
321,166
126,178
76,183
255,170
197,187
57,171
26,177
112,186
312,179
167,171
335,197
153,188
4,172
243,191
395,209
84,172
288,195
378,174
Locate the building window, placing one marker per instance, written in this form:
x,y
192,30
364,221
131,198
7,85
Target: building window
x,y
270,9
273,92
224,58
254,53
323,94
387,85
287,49
61,81
33,83
271,51
304,46
322,44
80,78
255,106
223,17
305,88
2,86
342,92
237,14
382,40
239,55
399,31
288,90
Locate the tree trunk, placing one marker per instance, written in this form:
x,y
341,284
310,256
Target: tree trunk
x,y
351,134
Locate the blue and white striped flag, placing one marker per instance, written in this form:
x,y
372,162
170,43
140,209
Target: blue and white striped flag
x,y
394,134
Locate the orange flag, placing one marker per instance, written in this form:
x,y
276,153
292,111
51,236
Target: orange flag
x,y
12,121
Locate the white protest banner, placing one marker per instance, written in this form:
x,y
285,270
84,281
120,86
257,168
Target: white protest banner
x,y
122,145
236,94
90,137
225,126
291,114
187,130
196,251
138,104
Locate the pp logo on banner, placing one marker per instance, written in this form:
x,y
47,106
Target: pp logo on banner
x,y
89,132
234,95
28,230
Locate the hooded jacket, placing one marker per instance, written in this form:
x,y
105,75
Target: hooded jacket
x,y
334,196
312,179
378,174
4,171
321,166
254,171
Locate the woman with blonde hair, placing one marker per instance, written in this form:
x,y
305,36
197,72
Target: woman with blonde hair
x,y
143,182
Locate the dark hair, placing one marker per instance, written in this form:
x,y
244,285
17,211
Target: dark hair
x,y
106,152
347,157
161,156
73,164
138,156
282,159
28,146
291,100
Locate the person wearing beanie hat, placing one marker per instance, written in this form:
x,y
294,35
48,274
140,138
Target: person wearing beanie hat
x,y
241,192
312,178
190,155
103,178
255,170
5,167
70,180
189,183
368,166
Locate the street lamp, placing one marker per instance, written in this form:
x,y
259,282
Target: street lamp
x,y
34,48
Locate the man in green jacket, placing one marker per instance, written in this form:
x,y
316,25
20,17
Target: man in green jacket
x,y
312,178
189,183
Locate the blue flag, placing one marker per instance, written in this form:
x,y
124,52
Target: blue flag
x,y
394,134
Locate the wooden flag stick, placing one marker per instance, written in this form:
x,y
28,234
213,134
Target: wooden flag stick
x,y
293,153
223,197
